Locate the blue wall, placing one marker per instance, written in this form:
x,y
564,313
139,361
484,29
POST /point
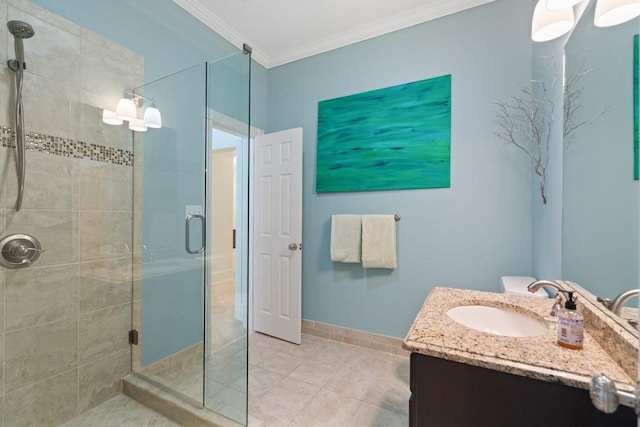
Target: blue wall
x,y
464,236
173,176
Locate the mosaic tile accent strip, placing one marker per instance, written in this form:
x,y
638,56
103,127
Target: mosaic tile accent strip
x,y
67,147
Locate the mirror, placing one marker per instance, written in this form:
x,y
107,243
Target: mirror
x,y
600,241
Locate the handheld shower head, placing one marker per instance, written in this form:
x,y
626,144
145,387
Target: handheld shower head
x,y
20,30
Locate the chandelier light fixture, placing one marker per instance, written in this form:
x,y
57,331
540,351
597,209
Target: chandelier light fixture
x,y
555,18
127,111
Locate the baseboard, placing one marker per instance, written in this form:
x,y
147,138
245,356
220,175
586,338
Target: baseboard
x,y
355,337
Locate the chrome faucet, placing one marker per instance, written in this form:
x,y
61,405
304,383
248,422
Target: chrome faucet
x,y
618,302
535,286
557,306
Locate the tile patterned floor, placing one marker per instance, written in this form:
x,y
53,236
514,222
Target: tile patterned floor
x,y
318,383
325,383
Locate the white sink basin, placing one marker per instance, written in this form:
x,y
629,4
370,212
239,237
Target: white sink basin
x,y
497,321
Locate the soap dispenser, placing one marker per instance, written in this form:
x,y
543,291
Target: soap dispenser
x,y
570,324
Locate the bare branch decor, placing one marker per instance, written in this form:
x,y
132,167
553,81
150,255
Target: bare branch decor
x,y
572,93
526,122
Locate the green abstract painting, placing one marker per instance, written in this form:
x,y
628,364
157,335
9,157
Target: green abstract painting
x,y
387,139
636,105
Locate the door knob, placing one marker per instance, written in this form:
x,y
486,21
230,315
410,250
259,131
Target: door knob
x,y
293,246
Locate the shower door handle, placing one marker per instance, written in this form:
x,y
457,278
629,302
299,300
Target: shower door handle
x,y
187,231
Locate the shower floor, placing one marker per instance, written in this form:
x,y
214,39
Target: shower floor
x,y
121,411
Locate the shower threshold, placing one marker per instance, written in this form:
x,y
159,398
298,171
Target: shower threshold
x,y
170,406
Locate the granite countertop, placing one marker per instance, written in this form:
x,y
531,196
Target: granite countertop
x,y
629,313
434,333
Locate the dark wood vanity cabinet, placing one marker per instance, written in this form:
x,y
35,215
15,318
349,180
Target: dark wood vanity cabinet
x,y
451,394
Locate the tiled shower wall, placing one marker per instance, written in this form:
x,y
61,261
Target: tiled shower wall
x,y
64,320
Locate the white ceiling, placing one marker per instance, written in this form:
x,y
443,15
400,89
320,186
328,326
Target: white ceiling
x,y
282,31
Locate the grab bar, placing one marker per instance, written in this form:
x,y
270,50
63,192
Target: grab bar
x,y
606,397
187,231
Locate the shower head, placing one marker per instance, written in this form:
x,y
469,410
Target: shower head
x,y
20,30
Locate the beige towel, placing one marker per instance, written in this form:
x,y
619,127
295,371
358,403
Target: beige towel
x,y
346,235
379,241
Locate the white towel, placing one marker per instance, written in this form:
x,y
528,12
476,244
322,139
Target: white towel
x,y
379,241
346,237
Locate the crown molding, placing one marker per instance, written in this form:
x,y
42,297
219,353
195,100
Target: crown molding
x,y
214,22
390,24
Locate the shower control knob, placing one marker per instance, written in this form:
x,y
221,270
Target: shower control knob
x,y
19,250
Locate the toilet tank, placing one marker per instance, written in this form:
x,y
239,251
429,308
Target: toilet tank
x,y
517,285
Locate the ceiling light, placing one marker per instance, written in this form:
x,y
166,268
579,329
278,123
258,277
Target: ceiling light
x,y
127,109
614,12
550,24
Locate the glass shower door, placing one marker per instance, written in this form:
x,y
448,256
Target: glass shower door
x,y
169,236
191,237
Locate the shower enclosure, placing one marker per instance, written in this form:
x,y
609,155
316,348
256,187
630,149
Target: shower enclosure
x,y
190,237
139,256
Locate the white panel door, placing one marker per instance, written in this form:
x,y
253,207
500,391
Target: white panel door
x,y
277,250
